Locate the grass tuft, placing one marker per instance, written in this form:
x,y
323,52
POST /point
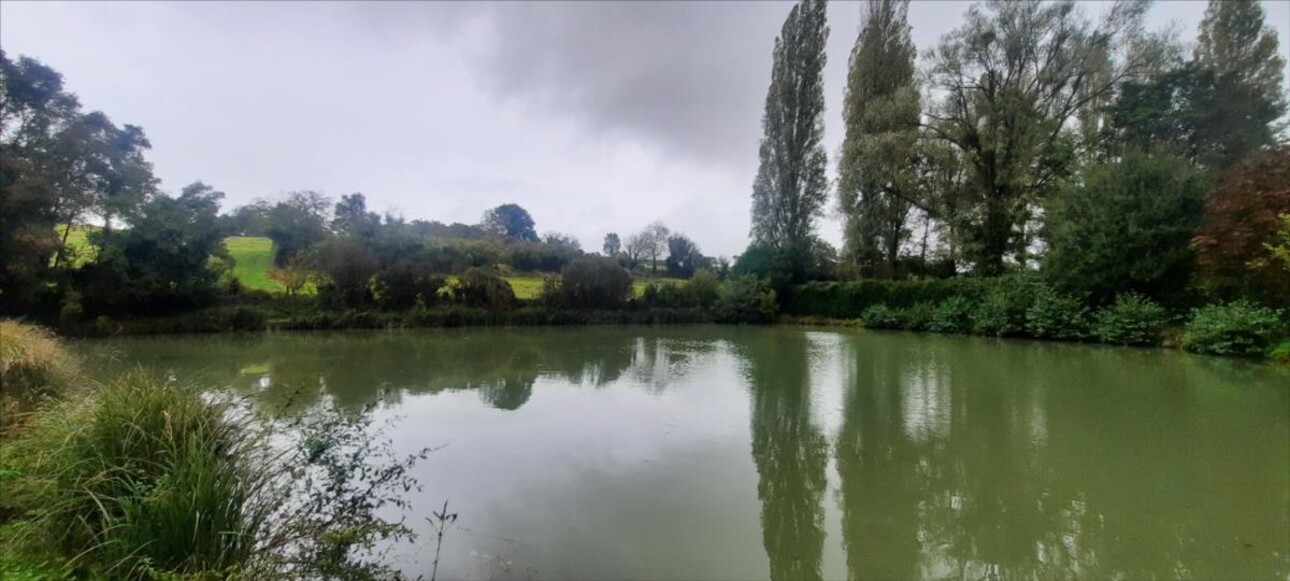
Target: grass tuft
x,y
34,367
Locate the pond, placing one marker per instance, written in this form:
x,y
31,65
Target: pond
x,y
796,453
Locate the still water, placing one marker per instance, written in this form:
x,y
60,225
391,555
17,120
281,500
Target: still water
x,y
791,453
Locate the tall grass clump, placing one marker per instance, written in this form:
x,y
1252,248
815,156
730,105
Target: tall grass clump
x,y
142,478
34,367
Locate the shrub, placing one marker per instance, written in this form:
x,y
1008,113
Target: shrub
x,y
880,316
1281,353
848,300
33,367
403,285
1053,315
589,283
703,288
348,266
917,317
1241,328
1002,310
478,287
952,315
746,299
1132,320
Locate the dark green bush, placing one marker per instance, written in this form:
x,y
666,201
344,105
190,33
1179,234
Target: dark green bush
x,y
880,316
403,284
478,287
918,317
1281,353
1001,312
1053,315
746,299
703,288
590,283
1132,320
848,300
247,319
952,315
1241,328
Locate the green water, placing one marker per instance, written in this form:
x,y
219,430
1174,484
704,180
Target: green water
x,y
788,453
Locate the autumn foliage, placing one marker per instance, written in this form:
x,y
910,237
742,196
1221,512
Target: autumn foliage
x,y
1242,219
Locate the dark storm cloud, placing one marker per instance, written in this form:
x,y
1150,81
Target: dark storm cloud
x,y
689,77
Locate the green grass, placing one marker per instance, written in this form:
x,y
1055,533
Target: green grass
x,y
253,257
79,250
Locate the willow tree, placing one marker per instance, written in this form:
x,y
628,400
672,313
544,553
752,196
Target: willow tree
x,y
791,187
1012,80
876,175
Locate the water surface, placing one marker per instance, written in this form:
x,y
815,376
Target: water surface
x,y
790,453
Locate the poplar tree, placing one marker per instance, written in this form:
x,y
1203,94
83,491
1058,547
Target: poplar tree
x,y
876,175
1240,51
791,187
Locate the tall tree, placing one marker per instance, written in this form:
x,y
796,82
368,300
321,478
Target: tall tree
x,y
791,187
612,245
511,221
876,174
351,218
295,224
1011,78
654,238
1241,51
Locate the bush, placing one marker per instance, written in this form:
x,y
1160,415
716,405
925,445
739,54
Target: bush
x,y
589,283
1240,328
746,299
1281,353
1002,311
848,300
1053,315
478,287
33,367
917,317
952,315
703,288
1132,320
348,267
880,316
403,285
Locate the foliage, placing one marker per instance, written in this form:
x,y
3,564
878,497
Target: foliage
x,y
292,278
877,176
34,366
347,267
746,299
1241,217
406,284
141,478
917,317
880,316
479,287
510,221
1045,63
791,188
842,300
1001,312
952,315
612,245
1281,353
1281,250
1132,320
1125,228
295,224
1238,328
703,288
590,283
1053,315
163,260
1240,50
683,257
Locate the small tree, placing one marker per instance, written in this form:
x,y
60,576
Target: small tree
x,y
295,275
612,245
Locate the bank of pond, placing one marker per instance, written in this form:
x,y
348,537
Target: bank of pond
x,y
697,451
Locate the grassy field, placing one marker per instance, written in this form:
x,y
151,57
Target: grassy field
x,y
253,256
79,249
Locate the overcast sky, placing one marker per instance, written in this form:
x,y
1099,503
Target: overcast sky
x,y
597,117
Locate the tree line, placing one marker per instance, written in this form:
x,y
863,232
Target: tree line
x,y
1033,138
